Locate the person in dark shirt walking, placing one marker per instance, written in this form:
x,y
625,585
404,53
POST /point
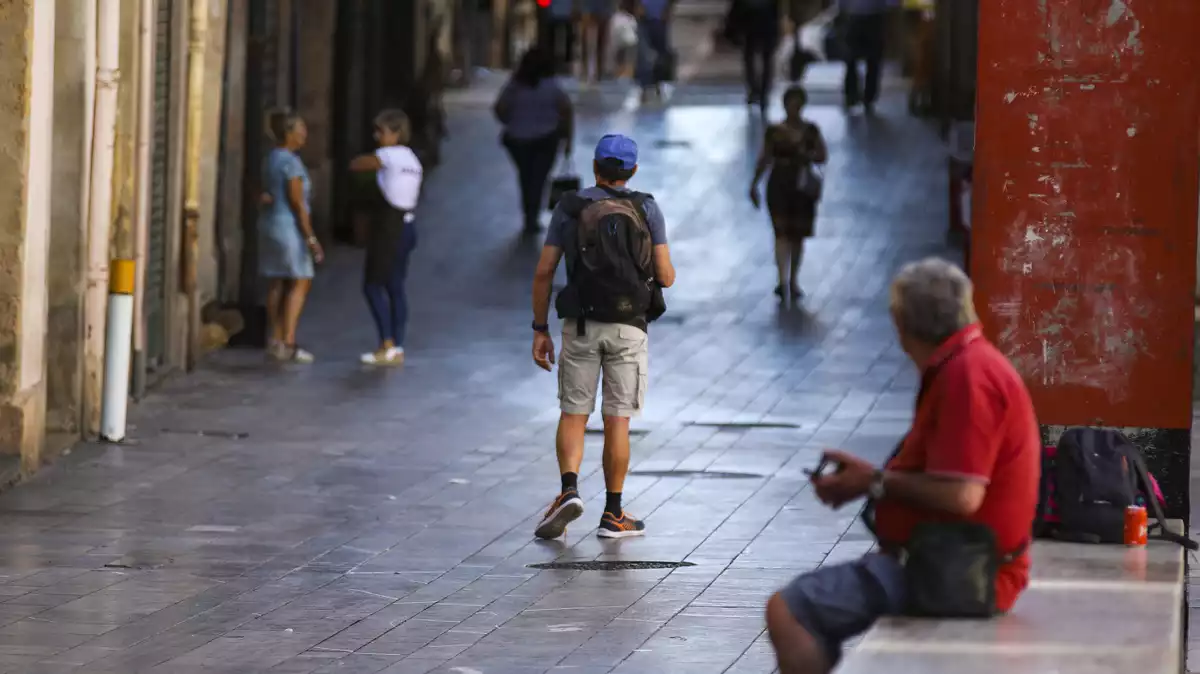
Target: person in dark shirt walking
x,y
865,26
538,120
654,45
760,41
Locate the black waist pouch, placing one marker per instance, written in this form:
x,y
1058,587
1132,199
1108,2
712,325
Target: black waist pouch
x,y
658,303
951,568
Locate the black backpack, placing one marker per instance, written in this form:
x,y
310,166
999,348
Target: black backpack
x,y
610,260
1088,481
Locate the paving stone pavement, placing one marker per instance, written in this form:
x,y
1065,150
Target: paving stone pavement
x,y
380,521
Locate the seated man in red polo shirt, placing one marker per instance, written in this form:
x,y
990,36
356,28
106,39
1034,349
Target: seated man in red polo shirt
x,y
973,454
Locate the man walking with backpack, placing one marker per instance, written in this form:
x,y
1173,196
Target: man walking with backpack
x,y
615,244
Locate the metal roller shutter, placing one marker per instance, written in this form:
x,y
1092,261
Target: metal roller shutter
x,y
155,299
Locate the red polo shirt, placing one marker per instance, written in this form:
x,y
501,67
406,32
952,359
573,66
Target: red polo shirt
x,y
975,422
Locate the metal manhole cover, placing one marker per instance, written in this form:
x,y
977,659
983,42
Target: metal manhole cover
x,y
607,566
712,474
736,425
138,564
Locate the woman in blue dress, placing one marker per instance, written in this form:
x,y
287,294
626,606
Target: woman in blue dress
x,y
287,246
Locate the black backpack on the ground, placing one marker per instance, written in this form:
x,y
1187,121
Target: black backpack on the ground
x,y
610,261
1088,481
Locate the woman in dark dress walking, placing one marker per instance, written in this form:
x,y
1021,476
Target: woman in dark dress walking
x,y
791,150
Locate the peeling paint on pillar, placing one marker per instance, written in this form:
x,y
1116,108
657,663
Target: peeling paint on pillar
x,y
1086,206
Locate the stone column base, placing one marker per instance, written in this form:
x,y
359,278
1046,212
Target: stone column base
x,y
23,426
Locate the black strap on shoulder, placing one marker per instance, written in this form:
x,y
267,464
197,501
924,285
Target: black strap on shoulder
x,y
638,199
927,379
573,204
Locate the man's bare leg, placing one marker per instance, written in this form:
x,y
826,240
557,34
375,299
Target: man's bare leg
x,y
568,444
275,293
797,651
567,507
616,521
616,453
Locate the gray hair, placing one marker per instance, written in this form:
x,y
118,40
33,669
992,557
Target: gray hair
x,y
931,300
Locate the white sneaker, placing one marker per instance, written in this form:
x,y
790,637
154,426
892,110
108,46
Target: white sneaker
x,y
393,355
298,355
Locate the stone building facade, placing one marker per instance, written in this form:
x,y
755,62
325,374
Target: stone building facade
x,y
202,72
48,148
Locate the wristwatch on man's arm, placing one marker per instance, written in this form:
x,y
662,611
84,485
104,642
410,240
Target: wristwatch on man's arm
x,y
541,327
875,490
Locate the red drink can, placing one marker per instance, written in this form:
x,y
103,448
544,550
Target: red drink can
x,y
1136,526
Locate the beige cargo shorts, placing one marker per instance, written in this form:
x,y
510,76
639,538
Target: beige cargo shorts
x,y
618,354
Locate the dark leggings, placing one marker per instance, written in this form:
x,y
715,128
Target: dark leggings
x,y
864,42
758,57
558,37
388,302
534,160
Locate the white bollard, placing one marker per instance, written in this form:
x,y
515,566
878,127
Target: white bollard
x,y
118,349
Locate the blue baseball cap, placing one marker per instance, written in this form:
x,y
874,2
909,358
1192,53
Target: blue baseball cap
x,y
618,147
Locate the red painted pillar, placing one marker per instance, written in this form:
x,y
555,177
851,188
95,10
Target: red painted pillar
x,y
1085,212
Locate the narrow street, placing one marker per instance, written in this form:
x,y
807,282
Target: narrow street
x,y
328,518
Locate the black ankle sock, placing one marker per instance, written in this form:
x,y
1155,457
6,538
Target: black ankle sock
x,y
612,503
570,482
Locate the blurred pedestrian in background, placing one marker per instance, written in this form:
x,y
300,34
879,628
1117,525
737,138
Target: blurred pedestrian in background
x,y
425,109
393,233
623,32
865,28
760,25
593,38
287,246
655,58
792,151
557,33
538,120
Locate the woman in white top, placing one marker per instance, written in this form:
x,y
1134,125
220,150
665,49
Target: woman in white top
x,y
393,233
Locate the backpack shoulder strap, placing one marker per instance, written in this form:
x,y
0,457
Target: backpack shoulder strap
x,y
1138,466
632,195
573,205
638,199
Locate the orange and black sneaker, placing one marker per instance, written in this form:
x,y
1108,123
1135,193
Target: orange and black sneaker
x,y
566,509
624,526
